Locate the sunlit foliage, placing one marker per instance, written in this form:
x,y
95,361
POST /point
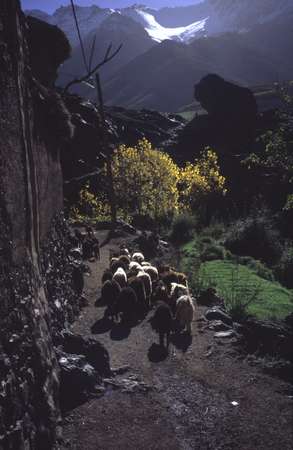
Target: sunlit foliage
x,y
90,205
276,159
148,182
200,180
145,180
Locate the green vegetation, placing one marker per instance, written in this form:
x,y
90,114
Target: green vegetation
x,y
245,258
182,228
255,236
269,299
187,115
246,284
147,182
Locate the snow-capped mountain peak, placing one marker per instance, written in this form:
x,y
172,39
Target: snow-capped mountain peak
x,y
160,33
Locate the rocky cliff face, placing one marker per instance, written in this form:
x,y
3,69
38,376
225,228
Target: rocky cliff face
x,y
31,195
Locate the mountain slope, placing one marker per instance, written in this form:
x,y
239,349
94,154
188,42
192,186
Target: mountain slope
x,y
116,29
89,19
163,77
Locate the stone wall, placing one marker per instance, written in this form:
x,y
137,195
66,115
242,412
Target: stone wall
x,y
30,197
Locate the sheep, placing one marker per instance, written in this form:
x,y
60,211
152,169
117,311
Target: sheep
x,y
160,294
120,277
127,305
115,265
152,271
77,279
147,284
145,264
182,279
125,252
87,248
169,277
113,259
107,275
137,285
125,261
134,268
185,312
135,264
138,257
176,291
165,268
109,295
162,322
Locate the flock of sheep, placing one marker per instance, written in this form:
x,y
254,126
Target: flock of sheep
x,y
131,287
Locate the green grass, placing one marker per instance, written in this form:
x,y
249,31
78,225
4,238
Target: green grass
x,y
274,301
187,115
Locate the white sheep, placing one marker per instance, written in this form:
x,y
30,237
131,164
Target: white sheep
x,y
120,277
135,266
138,257
125,251
113,259
177,290
147,283
152,271
145,264
185,312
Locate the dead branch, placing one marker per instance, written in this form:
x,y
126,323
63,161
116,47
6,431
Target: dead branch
x,y
79,36
92,52
107,58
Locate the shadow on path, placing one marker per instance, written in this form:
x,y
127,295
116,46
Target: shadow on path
x,y
120,331
157,353
181,341
102,326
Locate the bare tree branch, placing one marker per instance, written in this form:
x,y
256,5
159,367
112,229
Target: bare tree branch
x,y
92,52
79,36
107,58
107,147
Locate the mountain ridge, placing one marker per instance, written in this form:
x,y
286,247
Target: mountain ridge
x,y
246,43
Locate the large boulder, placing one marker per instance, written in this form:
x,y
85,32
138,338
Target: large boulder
x,y
230,124
48,48
226,100
95,353
218,314
77,379
268,338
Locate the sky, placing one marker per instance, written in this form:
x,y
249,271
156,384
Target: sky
x,y
50,5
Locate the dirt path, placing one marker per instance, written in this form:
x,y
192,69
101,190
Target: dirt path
x,y
183,401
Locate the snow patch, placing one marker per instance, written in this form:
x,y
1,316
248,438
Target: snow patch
x,y
159,33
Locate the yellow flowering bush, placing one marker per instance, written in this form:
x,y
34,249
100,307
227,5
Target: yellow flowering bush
x,y
200,180
90,206
148,182
145,180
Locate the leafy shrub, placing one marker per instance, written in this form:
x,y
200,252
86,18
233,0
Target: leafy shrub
x,y
145,180
183,227
149,185
200,280
201,182
284,269
240,295
257,266
260,269
212,252
255,237
215,230
206,240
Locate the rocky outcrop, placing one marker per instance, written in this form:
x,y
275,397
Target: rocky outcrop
x,y
31,195
49,47
231,122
